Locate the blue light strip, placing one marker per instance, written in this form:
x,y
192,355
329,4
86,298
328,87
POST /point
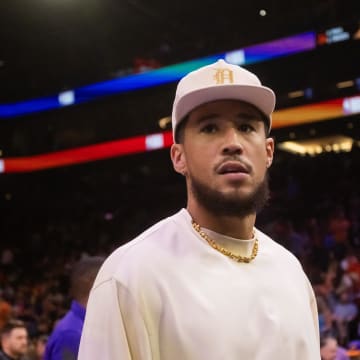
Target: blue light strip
x,y
249,55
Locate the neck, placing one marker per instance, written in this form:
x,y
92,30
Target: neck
x,y
234,226
10,355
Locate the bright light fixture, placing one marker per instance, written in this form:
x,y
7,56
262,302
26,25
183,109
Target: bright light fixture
x,y
317,146
262,12
164,122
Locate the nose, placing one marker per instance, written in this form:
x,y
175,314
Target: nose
x,y
232,142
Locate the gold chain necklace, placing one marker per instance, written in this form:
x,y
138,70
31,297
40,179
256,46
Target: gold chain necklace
x,y
231,255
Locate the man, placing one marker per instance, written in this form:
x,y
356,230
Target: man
x,y
205,283
37,348
64,341
345,315
330,350
14,340
5,313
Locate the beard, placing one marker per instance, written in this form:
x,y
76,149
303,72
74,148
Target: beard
x,y
231,204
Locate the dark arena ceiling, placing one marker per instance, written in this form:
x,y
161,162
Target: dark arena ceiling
x,y
49,46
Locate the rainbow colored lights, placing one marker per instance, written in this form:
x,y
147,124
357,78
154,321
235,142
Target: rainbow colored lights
x,y
287,117
249,55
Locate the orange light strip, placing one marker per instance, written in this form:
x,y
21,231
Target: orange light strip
x,y
308,113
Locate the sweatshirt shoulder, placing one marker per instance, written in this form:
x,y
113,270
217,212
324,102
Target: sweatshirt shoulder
x,y
139,250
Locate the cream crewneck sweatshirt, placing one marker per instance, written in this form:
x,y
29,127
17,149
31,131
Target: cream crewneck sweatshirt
x,y
168,295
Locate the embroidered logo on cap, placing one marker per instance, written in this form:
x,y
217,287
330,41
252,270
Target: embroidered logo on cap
x,y
223,75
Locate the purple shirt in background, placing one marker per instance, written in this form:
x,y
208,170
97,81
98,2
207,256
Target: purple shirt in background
x,y
63,343
341,354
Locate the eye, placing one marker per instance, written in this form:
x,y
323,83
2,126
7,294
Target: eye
x,y
209,128
246,127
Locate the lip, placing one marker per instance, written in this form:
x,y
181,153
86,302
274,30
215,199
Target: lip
x,y
232,168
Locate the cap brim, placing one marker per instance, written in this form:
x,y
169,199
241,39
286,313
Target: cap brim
x,y
260,96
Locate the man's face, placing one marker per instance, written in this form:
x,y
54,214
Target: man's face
x,y
224,156
15,344
328,351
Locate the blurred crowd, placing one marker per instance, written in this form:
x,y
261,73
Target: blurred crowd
x,y
314,212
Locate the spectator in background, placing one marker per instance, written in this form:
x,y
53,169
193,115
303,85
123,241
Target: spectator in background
x,y
330,350
345,312
325,315
5,313
37,348
337,240
14,340
63,343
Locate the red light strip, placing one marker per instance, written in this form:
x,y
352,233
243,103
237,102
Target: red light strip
x,y
87,153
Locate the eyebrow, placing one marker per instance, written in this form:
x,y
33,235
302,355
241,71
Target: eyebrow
x,y
241,115
207,117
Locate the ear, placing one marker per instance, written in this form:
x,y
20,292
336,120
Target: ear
x,y
270,147
178,158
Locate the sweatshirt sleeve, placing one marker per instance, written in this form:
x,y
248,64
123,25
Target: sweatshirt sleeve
x,y
114,328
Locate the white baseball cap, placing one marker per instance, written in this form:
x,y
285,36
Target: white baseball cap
x,y
220,81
